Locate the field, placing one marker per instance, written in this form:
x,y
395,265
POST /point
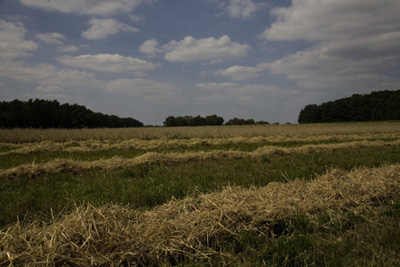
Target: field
x,y
265,195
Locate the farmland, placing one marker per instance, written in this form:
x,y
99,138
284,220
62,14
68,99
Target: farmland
x,y
272,195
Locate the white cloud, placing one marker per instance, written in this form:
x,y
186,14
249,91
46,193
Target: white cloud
x,y
243,9
49,89
109,63
149,47
352,43
47,75
101,28
239,72
332,19
214,86
67,48
239,9
267,102
12,40
136,18
86,7
53,38
206,49
149,90
316,70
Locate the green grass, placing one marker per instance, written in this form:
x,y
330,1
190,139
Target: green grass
x,y
346,238
147,186
13,160
327,238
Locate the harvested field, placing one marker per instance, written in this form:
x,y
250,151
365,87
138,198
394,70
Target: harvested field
x,y
274,195
58,165
192,227
163,143
17,136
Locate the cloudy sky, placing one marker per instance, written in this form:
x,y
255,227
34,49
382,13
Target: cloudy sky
x,y
149,59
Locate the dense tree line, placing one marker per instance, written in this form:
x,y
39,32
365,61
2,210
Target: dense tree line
x,y
208,120
193,121
50,114
382,105
237,121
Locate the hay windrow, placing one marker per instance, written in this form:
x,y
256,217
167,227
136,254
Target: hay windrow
x,y
107,145
193,227
68,165
151,133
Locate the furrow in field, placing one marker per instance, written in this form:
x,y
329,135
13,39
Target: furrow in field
x,y
68,165
192,227
132,144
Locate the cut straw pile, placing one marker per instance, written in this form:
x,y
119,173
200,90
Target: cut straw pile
x,y
131,144
193,227
68,165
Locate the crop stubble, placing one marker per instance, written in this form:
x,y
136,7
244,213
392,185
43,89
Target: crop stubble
x,y
192,227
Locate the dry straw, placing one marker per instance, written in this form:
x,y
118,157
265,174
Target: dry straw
x,y
195,227
106,145
62,135
68,165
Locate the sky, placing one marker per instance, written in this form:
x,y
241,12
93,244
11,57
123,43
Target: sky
x,y
150,59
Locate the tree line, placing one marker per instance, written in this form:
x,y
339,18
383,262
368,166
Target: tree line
x,y
381,105
172,121
51,114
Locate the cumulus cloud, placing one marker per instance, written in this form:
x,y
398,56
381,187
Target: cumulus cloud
x,y
53,38
86,7
352,43
67,48
149,90
13,43
267,102
239,72
149,47
48,75
109,63
333,19
101,28
203,50
49,89
214,86
239,9
243,9
137,86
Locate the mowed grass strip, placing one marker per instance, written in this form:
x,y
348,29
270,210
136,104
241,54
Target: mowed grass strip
x,y
164,143
65,165
149,185
39,153
200,228
18,136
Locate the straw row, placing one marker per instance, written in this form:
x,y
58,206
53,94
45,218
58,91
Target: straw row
x,y
106,145
194,227
68,165
147,133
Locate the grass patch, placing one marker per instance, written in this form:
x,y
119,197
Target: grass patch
x,y
146,186
114,210
339,219
329,238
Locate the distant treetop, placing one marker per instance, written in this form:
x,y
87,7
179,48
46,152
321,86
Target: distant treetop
x,y
209,120
376,106
50,114
193,121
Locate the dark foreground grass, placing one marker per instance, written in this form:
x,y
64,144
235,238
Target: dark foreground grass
x,y
329,238
15,159
146,186
339,219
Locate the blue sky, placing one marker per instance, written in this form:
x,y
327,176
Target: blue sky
x,y
149,59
